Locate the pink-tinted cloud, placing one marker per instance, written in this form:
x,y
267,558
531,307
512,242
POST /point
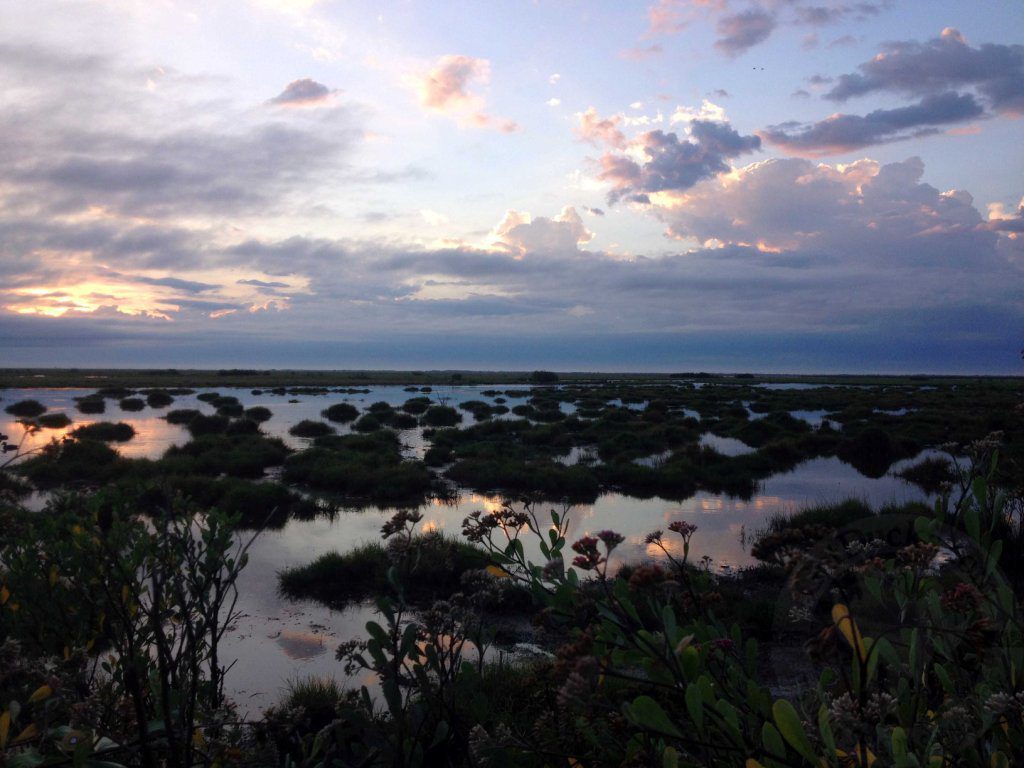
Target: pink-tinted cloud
x,y
446,89
600,130
520,234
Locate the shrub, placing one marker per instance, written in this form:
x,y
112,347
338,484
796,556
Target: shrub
x,y
133,404
309,428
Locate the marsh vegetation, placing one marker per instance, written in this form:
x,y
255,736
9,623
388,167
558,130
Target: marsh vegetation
x,y
623,455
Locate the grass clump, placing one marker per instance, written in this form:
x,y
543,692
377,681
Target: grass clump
x,y
367,423
133,404
310,428
245,455
105,431
335,579
74,463
361,466
440,416
91,405
340,413
201,424
159,399
26,409
54,420
181,415
258,413
930,474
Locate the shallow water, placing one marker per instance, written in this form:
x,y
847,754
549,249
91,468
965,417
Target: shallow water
x,y
276,640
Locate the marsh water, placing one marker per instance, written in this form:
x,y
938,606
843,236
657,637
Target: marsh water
x,y
276,640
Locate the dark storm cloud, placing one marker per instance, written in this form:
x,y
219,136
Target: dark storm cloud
x,y
844,133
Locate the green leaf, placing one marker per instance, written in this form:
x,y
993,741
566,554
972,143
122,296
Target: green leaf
x,y
788,722
694,706
648,714
825,729
772,740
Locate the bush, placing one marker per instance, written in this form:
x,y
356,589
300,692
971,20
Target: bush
x,y
133,404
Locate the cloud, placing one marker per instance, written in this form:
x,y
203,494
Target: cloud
x,y
660,162
742,31
303,93
938,65
520,234
639,53
446,89
597,130
264,283
859,214
844,133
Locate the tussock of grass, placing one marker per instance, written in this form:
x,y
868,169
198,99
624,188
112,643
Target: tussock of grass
x,y
106,431
310,428
54,420
336,578
258,413
27,409
340,413
930,474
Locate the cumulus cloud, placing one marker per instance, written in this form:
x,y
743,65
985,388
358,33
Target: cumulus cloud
x,y
662,162
741,31
844,133
865,212
303,93
938,65
446,89
520,234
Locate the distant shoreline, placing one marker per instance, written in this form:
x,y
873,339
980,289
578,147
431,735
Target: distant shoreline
x,y
15,378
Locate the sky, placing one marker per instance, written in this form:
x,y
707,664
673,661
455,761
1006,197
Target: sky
x,y
667,185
